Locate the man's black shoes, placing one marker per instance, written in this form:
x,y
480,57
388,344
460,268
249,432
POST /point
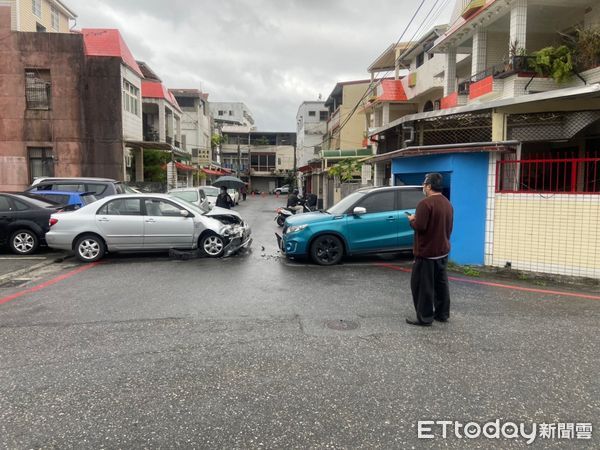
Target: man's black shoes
x,y
417,322
441,319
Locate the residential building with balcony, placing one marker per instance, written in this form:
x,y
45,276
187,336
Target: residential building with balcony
x,y
311,128
518,147
196,124
52,16
263,159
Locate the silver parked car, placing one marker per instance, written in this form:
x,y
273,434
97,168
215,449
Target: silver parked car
x,y
147,222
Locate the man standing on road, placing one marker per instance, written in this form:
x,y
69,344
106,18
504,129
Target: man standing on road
x,y
293,202
244,192
224,199
432,223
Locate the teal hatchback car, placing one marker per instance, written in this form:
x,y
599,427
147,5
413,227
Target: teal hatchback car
x,y
370,220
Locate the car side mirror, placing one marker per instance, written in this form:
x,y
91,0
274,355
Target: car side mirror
x,y
184,212
359,211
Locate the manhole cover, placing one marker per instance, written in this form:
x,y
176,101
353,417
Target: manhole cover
x,y
342,325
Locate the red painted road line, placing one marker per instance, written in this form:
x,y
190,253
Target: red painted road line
x,y
44,285
500,285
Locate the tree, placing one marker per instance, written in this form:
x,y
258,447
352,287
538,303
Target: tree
x,y
154,160
345,170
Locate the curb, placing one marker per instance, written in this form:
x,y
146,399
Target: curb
x,y
25,270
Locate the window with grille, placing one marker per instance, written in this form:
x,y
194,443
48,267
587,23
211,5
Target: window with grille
x,y
323,115
55,18
312,114
131,94
36,6
41,162
37,88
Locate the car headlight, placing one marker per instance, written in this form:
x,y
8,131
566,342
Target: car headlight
x,y
296,228
227,230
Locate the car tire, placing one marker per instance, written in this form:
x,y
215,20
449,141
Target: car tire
x,y
212,245
90,248
327,250
24,242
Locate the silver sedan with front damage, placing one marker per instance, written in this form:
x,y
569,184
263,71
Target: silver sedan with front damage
x,y
147,222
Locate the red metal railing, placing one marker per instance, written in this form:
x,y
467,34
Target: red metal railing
x,y
565,176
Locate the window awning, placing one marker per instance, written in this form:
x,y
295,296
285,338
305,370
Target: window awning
x,y
476,147
214,172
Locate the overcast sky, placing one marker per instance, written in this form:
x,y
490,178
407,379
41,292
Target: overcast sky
x,y
270,54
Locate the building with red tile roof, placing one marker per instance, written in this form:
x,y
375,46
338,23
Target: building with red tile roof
x,y
109,43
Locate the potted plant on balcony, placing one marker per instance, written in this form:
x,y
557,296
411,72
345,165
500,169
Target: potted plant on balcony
x,y
587,48
555,62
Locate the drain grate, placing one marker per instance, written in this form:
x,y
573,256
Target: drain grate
x,y
342,325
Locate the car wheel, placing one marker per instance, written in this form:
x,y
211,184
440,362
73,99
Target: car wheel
x,y
327,250
24,242
90,248
212,245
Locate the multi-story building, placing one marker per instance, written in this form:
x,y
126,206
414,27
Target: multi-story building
x,y
195,124
52,16
516,135
311,121
264,159
231,114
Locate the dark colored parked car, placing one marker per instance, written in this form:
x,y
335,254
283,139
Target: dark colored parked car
x,y
100,187
24,221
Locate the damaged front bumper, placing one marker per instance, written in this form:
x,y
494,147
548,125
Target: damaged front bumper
x,y
240,239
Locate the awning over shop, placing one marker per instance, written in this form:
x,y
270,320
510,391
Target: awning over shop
x,y
214,172
478,147
185,167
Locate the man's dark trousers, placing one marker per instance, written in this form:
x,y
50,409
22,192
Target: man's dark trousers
x,y
429,284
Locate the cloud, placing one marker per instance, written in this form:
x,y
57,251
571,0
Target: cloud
x,y
270,54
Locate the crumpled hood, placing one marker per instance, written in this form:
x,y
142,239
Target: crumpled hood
x,y
218,211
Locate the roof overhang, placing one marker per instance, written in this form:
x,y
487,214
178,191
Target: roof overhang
x,y
161,146
424,150
592,91
65,9
387,60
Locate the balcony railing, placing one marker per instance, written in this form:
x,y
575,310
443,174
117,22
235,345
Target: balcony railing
x,y
169,140
568,176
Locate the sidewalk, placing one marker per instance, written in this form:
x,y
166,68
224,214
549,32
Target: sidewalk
x,y
13,266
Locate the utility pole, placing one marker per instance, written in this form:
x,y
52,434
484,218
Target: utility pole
x,y
239,159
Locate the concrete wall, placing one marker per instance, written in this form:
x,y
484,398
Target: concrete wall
x,y
58,128
284,159
554,234
466,178
352,134
103,119
310,130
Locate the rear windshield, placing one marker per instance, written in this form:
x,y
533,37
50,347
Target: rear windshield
x,y
87,199
38,201
211,191
63,199
189,196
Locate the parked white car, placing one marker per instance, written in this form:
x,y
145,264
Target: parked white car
x,y
194,195
147,222
212,193
235,196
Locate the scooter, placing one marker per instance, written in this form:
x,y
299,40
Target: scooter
x,y
285,212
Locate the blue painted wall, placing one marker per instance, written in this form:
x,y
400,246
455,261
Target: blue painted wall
x,y
466,179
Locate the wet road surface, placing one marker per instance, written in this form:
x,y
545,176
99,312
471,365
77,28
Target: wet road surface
x,y
255,351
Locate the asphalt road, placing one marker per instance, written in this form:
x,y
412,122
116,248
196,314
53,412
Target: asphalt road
x,y
254,351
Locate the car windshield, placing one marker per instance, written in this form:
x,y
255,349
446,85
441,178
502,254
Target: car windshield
x,y
342,206
188,196
210,190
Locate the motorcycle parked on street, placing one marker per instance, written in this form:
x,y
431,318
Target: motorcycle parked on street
x,y
309,205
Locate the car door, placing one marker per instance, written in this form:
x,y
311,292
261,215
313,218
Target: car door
x,y
165,227
121,223
7,215
377,229
407,201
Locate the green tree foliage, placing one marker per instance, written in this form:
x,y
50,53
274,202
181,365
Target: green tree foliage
x,y
154,160
345,170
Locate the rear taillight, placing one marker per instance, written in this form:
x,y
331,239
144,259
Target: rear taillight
x,y
53,221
